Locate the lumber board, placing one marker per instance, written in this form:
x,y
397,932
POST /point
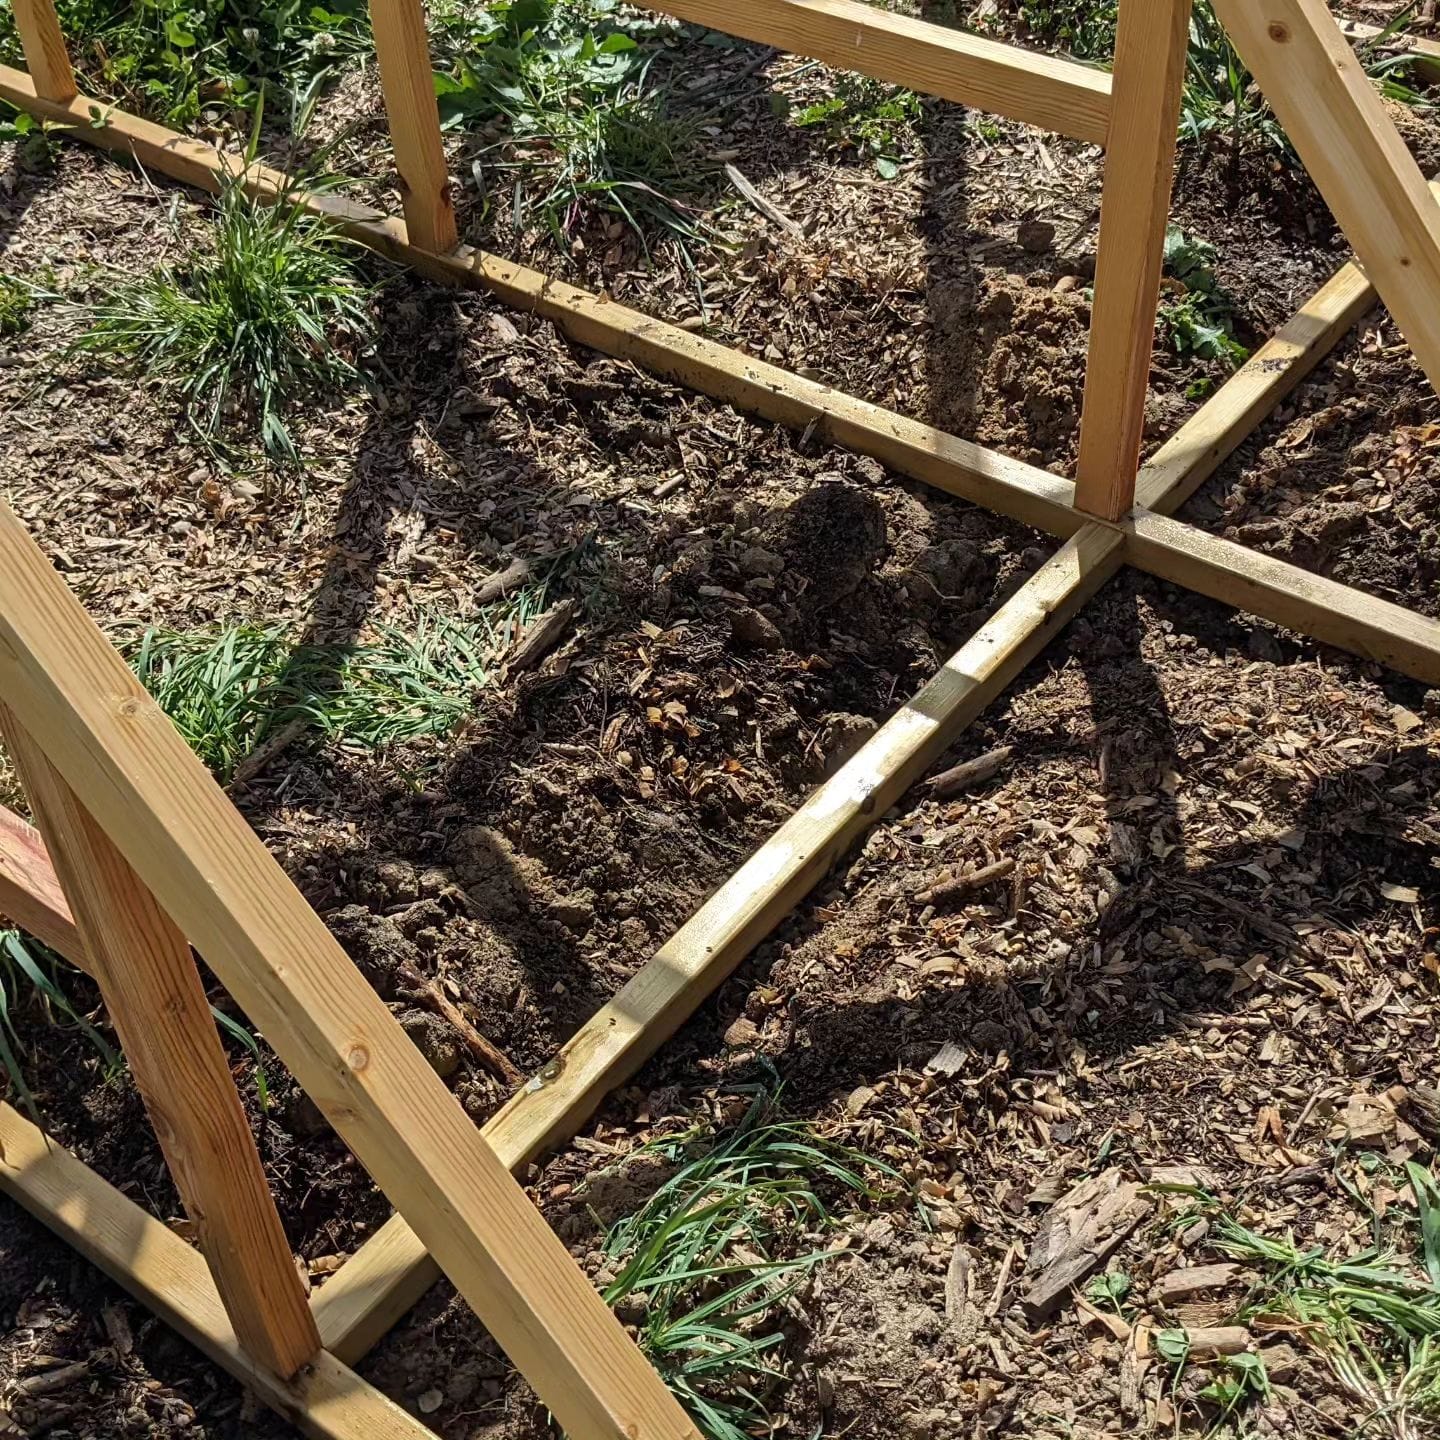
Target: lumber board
x,y
1352,151
1365,625
1422,52
408,80
1048,91
1150,44
30,893
157,1003
145,1257
44,45
1023,492
390,1271
193,850
1198,448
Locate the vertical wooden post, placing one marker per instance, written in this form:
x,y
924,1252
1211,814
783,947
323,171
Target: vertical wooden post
x,y
152,990
45,53
1150,47
1352,151
409,84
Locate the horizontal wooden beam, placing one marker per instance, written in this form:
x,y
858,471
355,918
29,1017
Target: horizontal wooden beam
x,y
30,893
1044,90
169,1276
1025,493
1336,614
359,1303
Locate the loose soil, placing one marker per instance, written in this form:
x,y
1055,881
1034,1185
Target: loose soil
x,y
1218,950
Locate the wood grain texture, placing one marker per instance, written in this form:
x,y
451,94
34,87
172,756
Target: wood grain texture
x,y
156,1001
1352,151
1149,74
376,1286
1336,614
1055,94
960,467
408,80
44,46
192,849
30,893
1198,448
146,1258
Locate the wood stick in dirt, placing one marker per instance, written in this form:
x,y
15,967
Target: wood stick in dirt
x,y
962,885
490,1055
514,575
543,635
759,203
970,773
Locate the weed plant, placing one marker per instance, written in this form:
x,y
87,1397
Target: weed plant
x,y
29,973
589,129
16,302
1195,314
1373,1318
877,121
230,688
249,325
709,1262
168,59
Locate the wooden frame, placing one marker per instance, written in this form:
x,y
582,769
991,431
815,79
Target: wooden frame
x,y
143,855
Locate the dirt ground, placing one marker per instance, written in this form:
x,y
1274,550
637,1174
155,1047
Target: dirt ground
x,y
1215,960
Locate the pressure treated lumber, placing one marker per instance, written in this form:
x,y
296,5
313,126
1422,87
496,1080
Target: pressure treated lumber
x,y
1353,153
1023,492
391,1271
1197,449
30,893
408,80
156,1001
1336,614
1150,44
1043,90
369,1293
44,44
193,850
168,1276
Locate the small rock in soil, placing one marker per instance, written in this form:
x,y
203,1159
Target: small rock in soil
x,y
1035,236
756,560
574,912
433,1039
751,628
375,944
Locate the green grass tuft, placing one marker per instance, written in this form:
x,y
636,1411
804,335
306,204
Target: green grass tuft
x,y
708,1263
257,320
230,688
29,972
